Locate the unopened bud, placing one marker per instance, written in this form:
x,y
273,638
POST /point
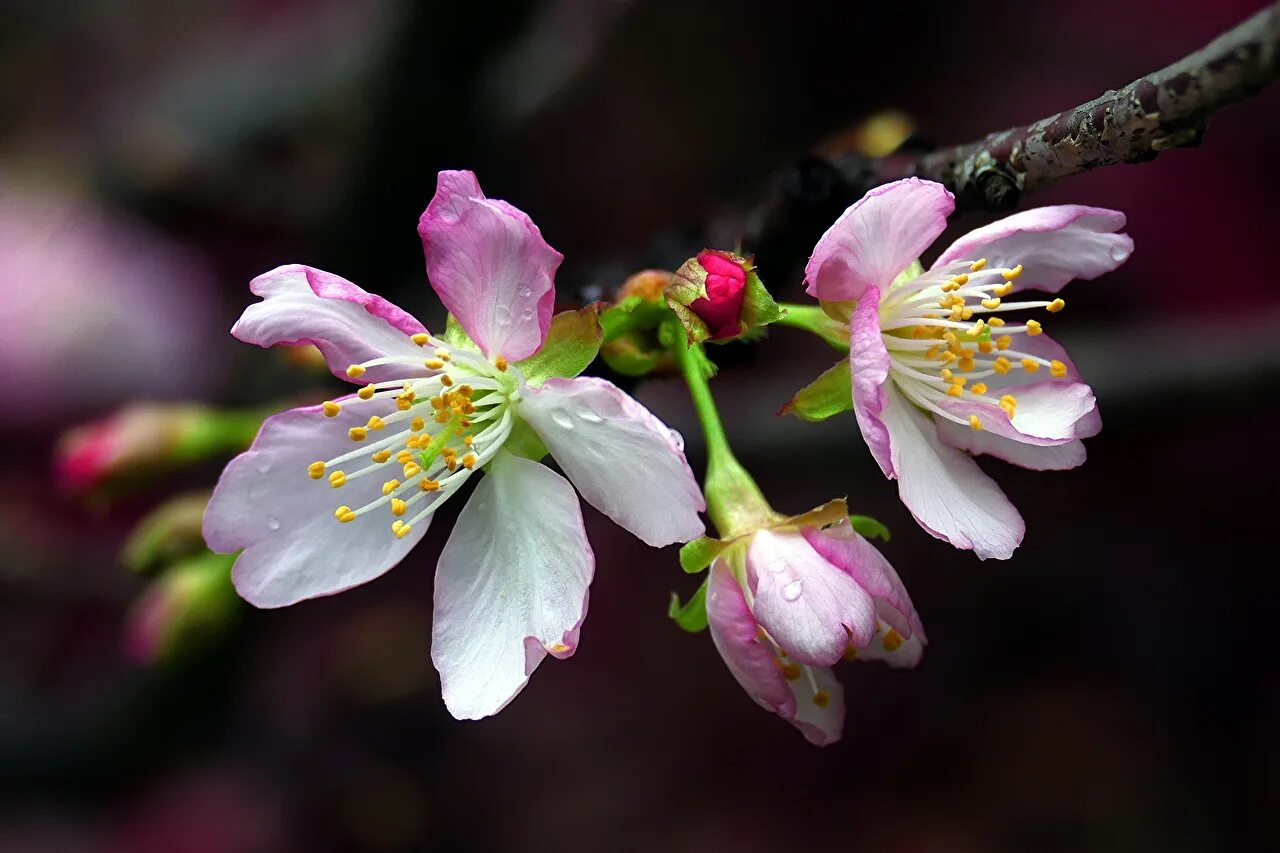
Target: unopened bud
x,y
184,609
718,296
167,533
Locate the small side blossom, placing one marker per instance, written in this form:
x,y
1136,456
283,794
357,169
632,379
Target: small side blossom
x,y
786,602
726,284
333,496
937,371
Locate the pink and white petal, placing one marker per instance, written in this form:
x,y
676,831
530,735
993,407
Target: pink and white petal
x,y
905,655
1015,381
293,547
945,490
490,267
821,724
847,550
304,305
809,607
511,586
626,462
1046,414
876,238
750,659
1054,244
1053,457
869,370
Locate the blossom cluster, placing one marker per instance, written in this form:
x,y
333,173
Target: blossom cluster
x,y
333,495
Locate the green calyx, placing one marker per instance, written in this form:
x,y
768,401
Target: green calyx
x,y
830,394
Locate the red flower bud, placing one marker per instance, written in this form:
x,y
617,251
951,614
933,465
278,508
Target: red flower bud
x,y
726,285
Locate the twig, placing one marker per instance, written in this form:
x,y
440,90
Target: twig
x,y
1166,109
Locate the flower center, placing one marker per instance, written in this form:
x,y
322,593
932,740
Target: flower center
x,y
436,428
944,338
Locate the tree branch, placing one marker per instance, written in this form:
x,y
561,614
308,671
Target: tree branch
x,y
1166,109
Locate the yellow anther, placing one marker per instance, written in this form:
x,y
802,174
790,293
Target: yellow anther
x,y
948,356
850,653
1055,306
398,506
437,402
446,380
390,486
932,352
949,286
985,347
557,648
945,373
420,339
451,462
790,671
955,391
1010,275
958,380
1001,365
1034,328
957,314
967,352
412,442
375,422
344,514
1003,289
411,470
381,456
466,391
950,337
442,354
433,364
1004,342
995,321
357,433
404,404
331,409
822,698
469,461
355,371
448,452
417,424
966,363
366,392
977,329
442,417
975,423
991,304
961,280
1009,403
977,265
404,457
966,314
337,479
1030,365
315,470
469,440
500,363
429,485
979,388
1057,369
401,531
893,640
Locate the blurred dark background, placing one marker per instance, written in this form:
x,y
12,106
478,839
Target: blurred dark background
x,y
1110,688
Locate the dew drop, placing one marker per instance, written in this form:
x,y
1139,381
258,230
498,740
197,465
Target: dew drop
x,y
562,419
526,316
273,522
791,591
1119,253
501,315
264,466
524,291
589,417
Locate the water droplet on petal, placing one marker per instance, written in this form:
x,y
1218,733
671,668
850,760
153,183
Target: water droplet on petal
x,y
273,522
502,315
1119,253
792,591
589,417
524,291
264,466
526,316
562,419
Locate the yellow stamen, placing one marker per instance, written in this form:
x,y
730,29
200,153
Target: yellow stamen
x,y
469,440
977,265
979,388
469,461
955,391
355,371
331,409
337,479
433,364
381,456
500,363
404,457
1010,275
850,654
995,321
344,514
446,380
1004,342
1001,365
416,425
966,363
961,279
790,671
401,531
893,640
975,423
315,470
1034,328
398,506
985,347
822,698
430,485
1030,365
1055,306
357,433
1003,289
375,422
992,304
390,486
404,404
366,392
442,354
1057,369
411,470
1009,403
420,339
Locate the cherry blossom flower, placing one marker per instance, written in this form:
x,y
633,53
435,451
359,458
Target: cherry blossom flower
x,y
786,602
495,394
937,372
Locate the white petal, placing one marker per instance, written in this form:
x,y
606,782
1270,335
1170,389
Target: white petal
x,y
511,586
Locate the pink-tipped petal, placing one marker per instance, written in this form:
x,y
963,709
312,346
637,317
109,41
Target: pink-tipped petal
x,y
750,658
1034,457
293,547
490,267
511,586
877,238
820,720
1053,244
625,461
304,305
1046,414
869,369
945,489
809,607
847,550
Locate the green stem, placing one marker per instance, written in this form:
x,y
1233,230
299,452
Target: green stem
x,y
813,319
734,501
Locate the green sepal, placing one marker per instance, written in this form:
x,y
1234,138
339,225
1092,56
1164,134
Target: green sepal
x,y
573,340
628,354
830,394
200,603
631,314
695,556
169,532
691,616
523,441
869,527
456,336
758,307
